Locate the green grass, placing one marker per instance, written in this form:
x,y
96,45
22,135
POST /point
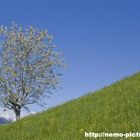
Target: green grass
x,y
115,108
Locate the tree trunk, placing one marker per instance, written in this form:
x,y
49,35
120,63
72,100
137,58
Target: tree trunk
x,y
17,112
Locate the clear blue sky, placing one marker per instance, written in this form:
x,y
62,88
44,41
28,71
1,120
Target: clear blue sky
x,y
100,39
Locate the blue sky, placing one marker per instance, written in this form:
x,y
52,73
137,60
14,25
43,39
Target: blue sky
x,y
100,39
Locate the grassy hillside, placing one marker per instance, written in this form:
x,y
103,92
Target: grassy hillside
x,y
113,109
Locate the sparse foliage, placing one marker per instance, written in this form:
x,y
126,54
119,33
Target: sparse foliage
x,y
29,67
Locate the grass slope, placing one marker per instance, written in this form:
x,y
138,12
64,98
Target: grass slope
x,y
115,108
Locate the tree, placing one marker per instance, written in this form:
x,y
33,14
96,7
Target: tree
x,y
29,67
